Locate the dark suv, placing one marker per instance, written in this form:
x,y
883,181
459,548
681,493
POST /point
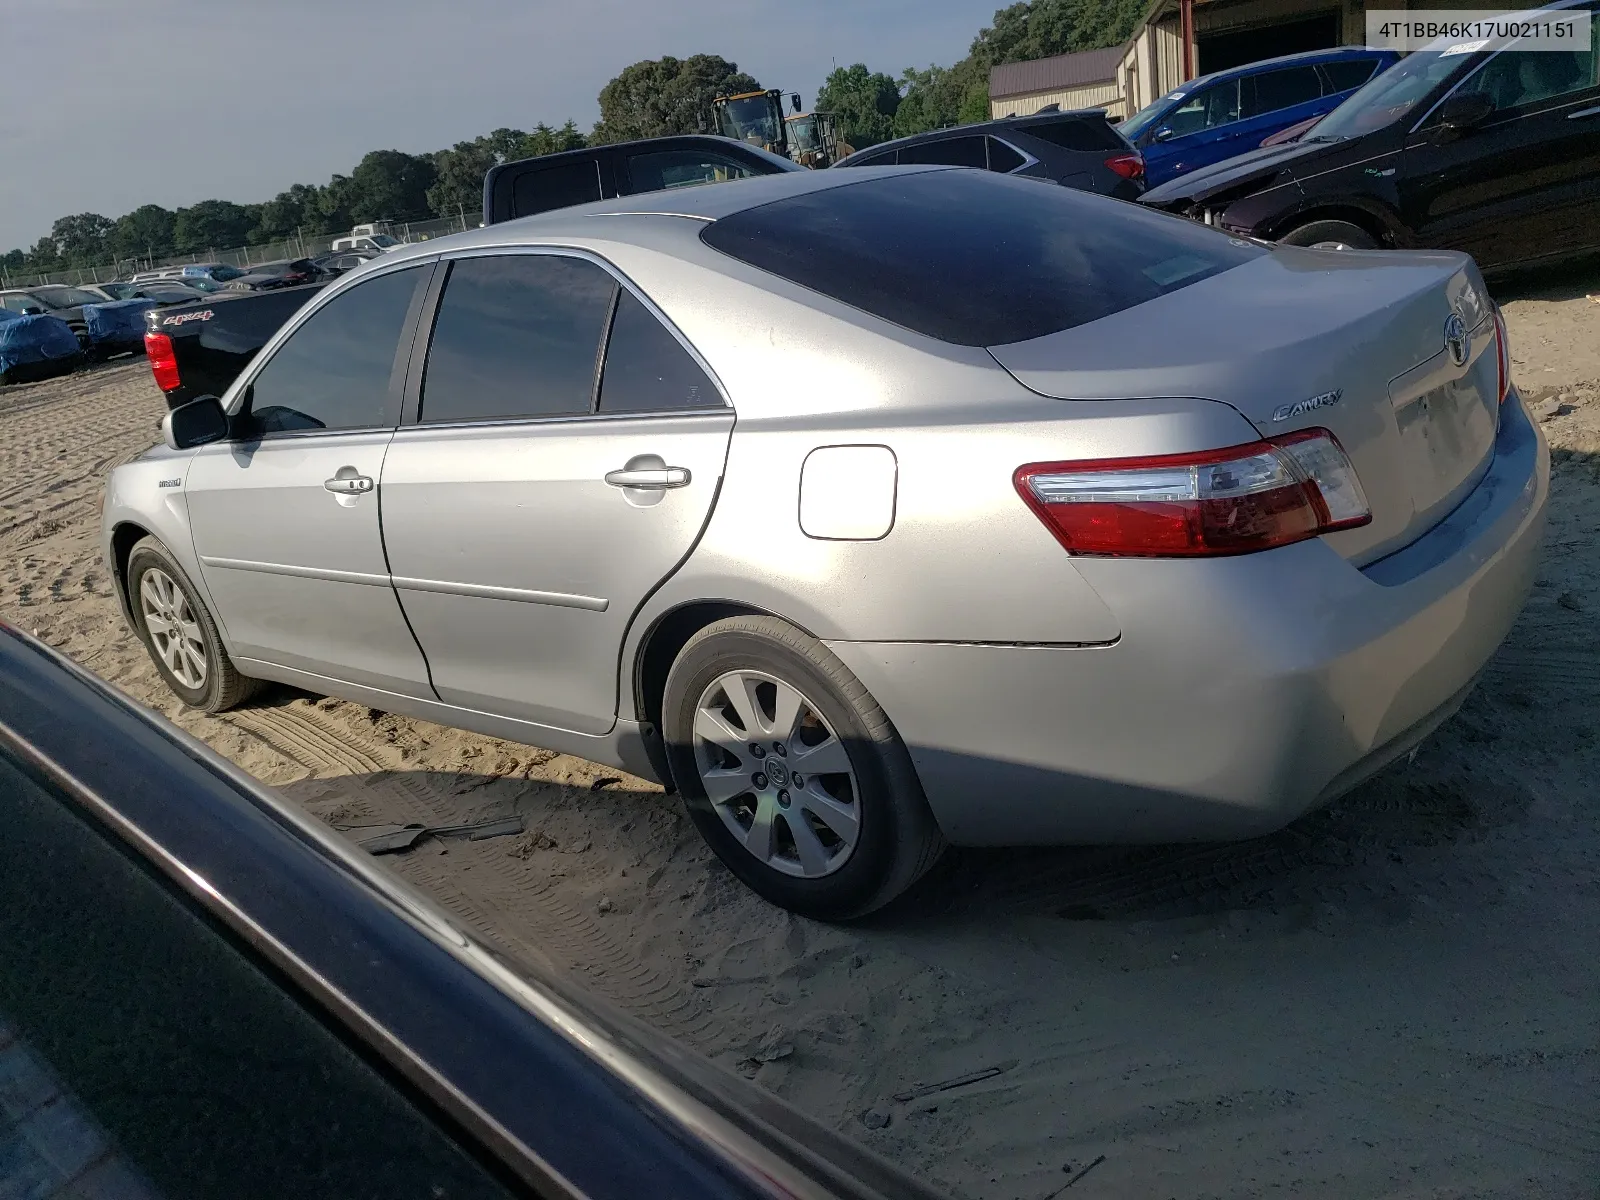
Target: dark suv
x,y
1490,149
1075,149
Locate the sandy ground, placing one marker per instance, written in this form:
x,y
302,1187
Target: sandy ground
x,y
1398,997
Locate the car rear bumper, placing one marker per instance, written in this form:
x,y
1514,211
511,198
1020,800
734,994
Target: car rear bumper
x,y
1242,693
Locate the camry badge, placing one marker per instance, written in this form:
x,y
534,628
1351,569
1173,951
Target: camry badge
x,y
1326,400
1457,339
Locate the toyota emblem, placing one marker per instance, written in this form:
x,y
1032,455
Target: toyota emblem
x,y
1457,339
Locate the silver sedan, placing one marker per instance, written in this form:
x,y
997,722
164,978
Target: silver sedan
x,y
869,510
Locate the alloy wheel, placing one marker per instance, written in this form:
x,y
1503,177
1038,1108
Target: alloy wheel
x,y
777,774
173,629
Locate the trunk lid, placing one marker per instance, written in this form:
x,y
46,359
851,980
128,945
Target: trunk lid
x,y
1354,343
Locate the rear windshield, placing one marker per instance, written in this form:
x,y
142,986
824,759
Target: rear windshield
x,y
1076,133
974,258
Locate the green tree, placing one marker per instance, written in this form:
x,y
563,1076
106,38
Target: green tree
x,y
390,185
146,232
83,238
288,212
44,256
458,186
940,96
658,97
332,209
211,225
546,140
13,261
865,102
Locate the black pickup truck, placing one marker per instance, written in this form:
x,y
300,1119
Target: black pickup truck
x,y
199,349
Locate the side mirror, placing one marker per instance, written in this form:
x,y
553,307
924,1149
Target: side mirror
x,y
32,310
1163,134
194,424
1460,114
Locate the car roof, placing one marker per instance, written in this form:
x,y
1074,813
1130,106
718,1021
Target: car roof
x,y
1303,58
1070,114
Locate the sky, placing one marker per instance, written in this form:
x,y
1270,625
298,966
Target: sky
x,y
110,104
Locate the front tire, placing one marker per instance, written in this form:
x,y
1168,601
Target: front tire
x,y
1330,235
180,634
792,773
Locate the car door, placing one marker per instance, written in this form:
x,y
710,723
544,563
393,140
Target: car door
x,y
531,502
1269,102
285,514
1525,183
1185,138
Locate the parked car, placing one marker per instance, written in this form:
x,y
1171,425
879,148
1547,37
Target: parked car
x,y
216,272
1494,151
36,347
551,181
349,260
1076,149
285,273
371,238
199,348
203,993
163,291
54,300
980,560
1218,116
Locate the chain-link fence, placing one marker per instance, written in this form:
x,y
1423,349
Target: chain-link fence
x,y
301,245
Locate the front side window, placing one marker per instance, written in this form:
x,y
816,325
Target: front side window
x,y
144,1056
1273,91
948,152
665,169
1206,109
1518,79
19,303
516,336
333,371
646,369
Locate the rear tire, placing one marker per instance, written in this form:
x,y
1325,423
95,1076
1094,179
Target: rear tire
x,y
846,837
180,634
1330,235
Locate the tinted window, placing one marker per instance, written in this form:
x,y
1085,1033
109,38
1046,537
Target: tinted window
x,y
333,372
144,1057
1002,157
556,187
976,259
516,336
1343,76
950,152
1206,109
646,368
680,168
884,159
1076,134
16,303
1522,78
1275,90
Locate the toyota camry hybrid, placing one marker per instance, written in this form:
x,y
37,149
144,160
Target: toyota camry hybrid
x,y
869,510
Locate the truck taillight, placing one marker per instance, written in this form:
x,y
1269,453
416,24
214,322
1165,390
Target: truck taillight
x,y
1232,501
163,362
1503,349
1129,166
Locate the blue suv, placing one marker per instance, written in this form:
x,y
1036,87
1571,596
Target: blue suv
x,y
1218,116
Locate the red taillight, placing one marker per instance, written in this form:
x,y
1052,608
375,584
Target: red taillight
x,y
1503,347
163,362
1232,501
1129,166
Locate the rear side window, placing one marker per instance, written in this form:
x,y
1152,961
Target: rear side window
x,y
555,187
976,259
333,372
1002,157
1275,90
1077,134
1352,73
948,152
665,169
516,336
647,369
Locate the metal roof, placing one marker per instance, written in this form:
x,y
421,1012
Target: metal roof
x,y
1054,74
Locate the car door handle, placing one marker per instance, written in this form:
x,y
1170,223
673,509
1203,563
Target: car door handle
x,y
651,479
1585,112
349,485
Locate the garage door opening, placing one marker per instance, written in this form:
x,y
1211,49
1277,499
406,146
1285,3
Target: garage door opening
x,y
1219,51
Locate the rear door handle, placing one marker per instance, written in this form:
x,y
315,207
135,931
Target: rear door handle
x,y
349,485
655,479
1585,112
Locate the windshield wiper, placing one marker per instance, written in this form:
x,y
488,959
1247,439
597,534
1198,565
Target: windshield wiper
x,y
1328,137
